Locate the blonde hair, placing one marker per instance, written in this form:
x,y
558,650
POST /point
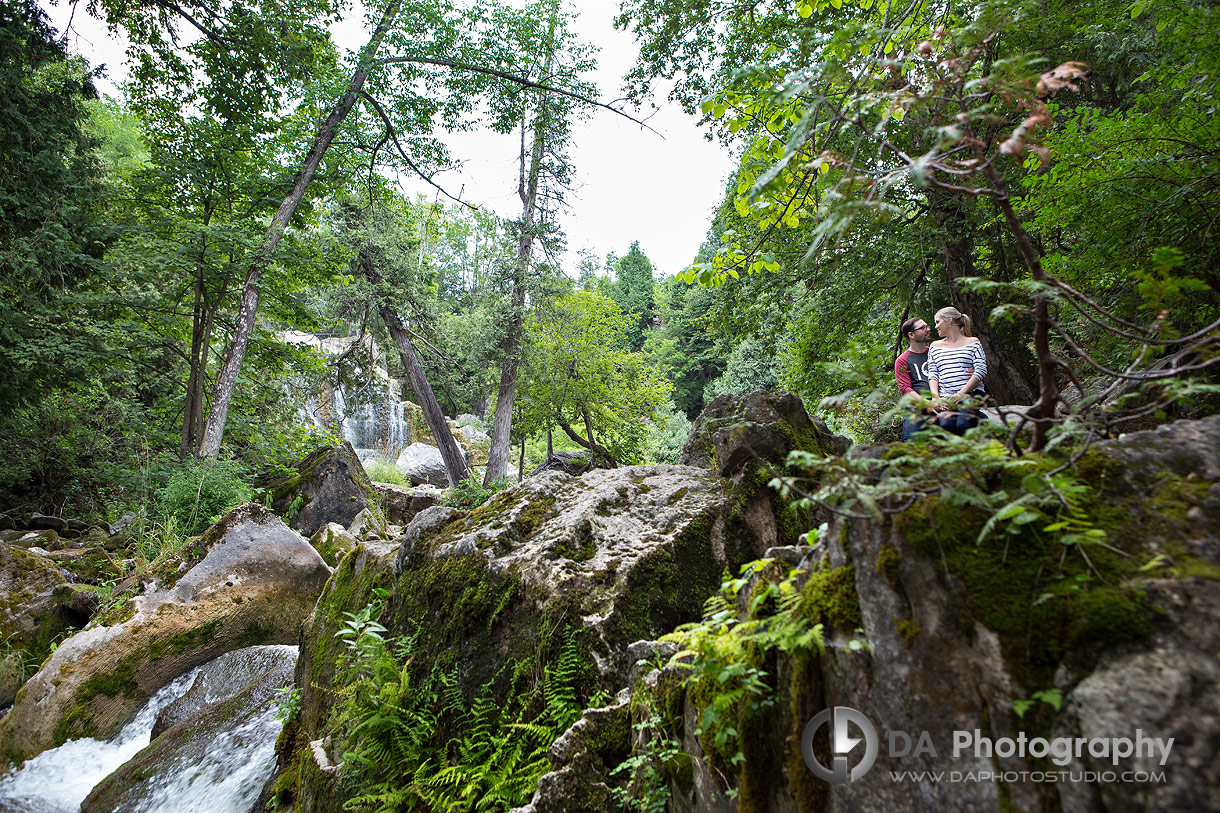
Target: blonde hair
x,y
958,318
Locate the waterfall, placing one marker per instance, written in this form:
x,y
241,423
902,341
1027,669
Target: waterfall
x,y
372,420
226,778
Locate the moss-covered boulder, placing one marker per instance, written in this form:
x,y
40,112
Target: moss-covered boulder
x,y
31,620
735,430
254,581
329,485
538,593
332,541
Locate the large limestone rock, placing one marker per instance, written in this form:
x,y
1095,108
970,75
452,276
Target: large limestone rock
x,y
606,559
735,430
329,485
421,463
929,631
255,579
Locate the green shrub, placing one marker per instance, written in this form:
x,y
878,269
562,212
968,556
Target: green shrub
x,y
471,493
383,471
200,491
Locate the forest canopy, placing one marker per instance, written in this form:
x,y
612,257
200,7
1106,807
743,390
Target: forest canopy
x,y
1052,171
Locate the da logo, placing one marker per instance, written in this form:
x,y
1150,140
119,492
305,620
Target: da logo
x,y
841,744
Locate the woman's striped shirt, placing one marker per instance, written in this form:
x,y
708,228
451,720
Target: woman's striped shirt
x,y
951,367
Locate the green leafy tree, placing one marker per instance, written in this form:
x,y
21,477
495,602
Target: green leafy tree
x,y
578,379
50,234
634,291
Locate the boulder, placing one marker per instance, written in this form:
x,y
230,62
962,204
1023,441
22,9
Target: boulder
x,y
421,463
225,744
255,579
47,539
332,541
42,522
608,559
369,524
329,485
401,504
736,430
223,678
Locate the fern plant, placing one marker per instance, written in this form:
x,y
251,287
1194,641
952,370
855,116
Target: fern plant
x,y
413,741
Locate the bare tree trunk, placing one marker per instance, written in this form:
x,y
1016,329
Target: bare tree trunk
x,y
226,381
527,190
455,462
521,462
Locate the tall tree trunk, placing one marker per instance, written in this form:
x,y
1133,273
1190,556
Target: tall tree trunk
x,y
527,189
226,381
194,403
1043,410
1006,383
455,462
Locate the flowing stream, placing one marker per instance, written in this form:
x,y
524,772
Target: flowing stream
x,y
226,777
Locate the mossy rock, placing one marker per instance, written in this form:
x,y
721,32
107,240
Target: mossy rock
x,y
329,485
734,431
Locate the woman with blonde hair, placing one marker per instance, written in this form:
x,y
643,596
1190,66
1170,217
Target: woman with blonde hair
x,y
956,368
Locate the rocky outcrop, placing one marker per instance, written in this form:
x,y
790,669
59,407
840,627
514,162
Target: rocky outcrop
x,y
735,430
928,630
329,485
253,581
612,557
400,504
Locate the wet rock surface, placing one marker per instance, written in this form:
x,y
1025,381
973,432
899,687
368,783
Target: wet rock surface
x,y
220,750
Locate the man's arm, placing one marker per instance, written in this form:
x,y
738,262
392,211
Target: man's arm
x,y
903,375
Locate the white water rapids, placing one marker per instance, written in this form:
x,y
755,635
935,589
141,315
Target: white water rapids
x,y
227,779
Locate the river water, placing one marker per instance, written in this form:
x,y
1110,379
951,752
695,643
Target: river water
x,y
227,779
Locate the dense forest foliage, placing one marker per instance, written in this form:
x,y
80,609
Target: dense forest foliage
x,y
1052,170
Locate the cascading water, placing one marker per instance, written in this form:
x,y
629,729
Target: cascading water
x,y
222,772
372,420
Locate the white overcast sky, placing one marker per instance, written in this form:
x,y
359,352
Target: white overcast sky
x,y
631,184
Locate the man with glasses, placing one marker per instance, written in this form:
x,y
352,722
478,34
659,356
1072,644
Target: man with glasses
x,y
911,371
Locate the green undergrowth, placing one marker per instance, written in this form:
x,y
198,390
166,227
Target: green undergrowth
x,y
727,669
415,735
440,687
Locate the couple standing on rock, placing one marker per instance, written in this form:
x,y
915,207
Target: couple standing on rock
x,y
946,371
